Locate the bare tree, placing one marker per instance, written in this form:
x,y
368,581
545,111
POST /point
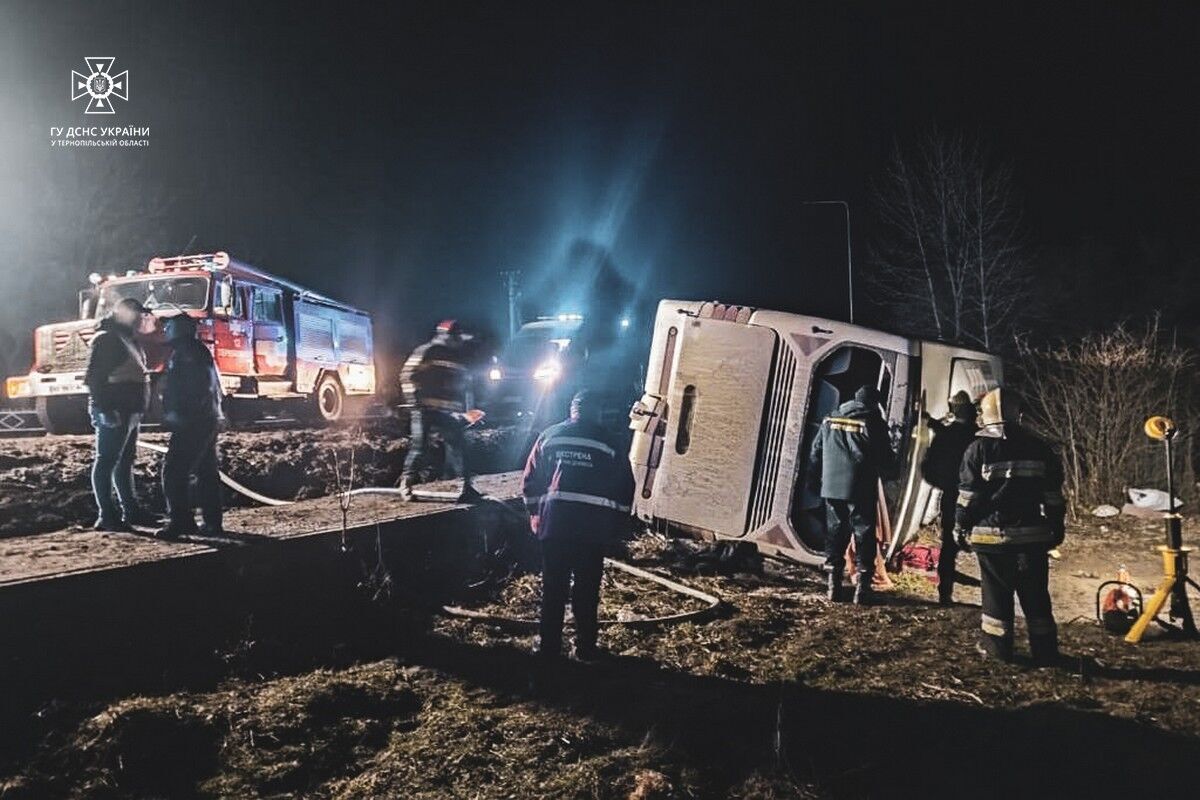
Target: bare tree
x,y
950,261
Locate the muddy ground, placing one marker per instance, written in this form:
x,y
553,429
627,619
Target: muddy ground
x,y
45,484
781,695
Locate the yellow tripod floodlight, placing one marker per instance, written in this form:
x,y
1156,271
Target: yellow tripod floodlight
x,y
1175,578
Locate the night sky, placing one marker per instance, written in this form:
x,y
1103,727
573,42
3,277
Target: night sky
x,y
401,155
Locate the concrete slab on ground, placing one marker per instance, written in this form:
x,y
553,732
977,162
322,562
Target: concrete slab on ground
x,y
49,556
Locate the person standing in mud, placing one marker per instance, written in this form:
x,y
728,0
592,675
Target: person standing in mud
x,y
850,454
578,489
435,379
191,396
119,393
1011,512
940,469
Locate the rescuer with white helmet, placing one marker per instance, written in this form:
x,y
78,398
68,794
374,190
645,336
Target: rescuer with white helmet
x,y
1010,512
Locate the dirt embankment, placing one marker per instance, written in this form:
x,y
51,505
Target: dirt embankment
x,y
45,481
784,695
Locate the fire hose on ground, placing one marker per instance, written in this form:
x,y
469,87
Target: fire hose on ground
x,y
712,602
228,481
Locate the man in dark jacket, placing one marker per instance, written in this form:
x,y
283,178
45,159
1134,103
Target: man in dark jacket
x,y
435,378
191,395
940,469
119,389
578,489
1011,512
850,454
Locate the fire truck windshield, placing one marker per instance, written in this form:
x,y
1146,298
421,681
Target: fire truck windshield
x,y
188,292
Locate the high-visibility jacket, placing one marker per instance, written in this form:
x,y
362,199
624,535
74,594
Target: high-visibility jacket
x,y
435,376
1010,492
850,453
578,482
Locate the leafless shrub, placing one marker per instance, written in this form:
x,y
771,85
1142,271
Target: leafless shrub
x,y
1093,395
345,492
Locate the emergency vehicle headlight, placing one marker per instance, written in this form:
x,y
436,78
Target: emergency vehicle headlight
x,y
548,371
494,374
18,387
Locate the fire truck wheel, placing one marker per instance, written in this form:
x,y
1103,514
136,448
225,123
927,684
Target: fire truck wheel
x,y
62,415
328,400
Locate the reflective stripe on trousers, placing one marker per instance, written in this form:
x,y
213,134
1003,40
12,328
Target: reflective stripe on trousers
x,y
995,627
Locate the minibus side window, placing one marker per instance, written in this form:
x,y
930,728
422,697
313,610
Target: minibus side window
x,y
687,412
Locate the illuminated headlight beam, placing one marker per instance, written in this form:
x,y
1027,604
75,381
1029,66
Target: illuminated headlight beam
x,y
548,371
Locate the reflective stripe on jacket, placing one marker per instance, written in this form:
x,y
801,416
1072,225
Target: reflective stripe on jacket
x,y
435,377
1010,492
850,453
577,482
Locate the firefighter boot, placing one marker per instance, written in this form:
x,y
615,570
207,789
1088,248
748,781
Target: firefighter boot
x,y
998,648
863,593
1043,648
470,495
833,585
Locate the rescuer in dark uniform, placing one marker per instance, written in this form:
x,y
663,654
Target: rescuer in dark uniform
x,y
941,466
578,489
435,378
1011,511
119,389
850,454
191,396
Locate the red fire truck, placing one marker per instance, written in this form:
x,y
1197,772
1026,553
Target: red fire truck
x,y
273,341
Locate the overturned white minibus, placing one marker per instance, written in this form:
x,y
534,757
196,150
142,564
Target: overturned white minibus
x,y
733,397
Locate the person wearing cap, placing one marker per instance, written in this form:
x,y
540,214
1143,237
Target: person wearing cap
x,y
435,379
578,489
940,469
119,394
850,454
191,397
1011,514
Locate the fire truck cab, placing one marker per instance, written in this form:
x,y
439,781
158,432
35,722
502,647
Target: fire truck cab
x,y
733,398
272,340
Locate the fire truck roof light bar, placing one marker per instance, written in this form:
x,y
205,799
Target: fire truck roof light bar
x,y
209,261
220,261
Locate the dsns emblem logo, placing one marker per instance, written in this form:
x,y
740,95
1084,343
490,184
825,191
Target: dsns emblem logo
x,y
100,86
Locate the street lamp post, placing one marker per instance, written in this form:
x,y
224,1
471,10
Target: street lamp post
x,y
849,260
